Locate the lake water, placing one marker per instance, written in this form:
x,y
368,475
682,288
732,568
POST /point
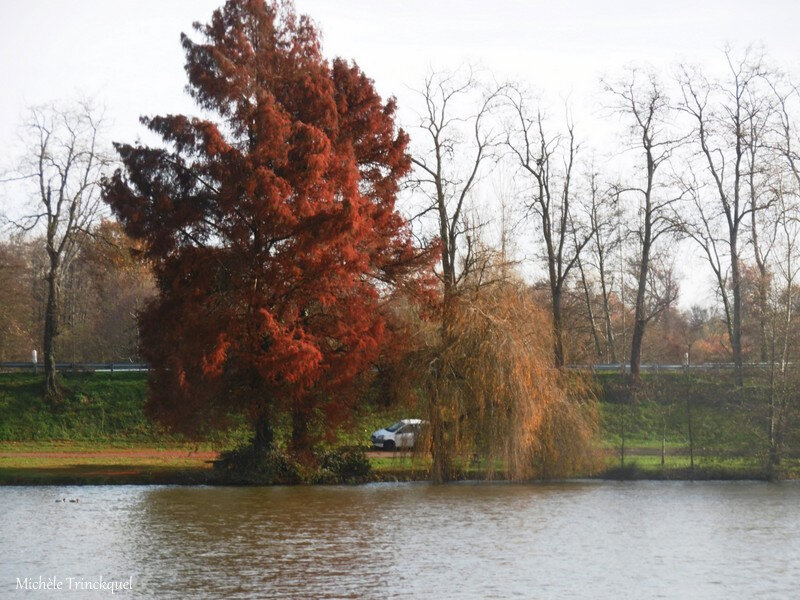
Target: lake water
x,y
409,540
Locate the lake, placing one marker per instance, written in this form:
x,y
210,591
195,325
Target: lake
x,y
412,540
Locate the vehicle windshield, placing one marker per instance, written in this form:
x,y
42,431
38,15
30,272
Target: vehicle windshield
x,y
394,426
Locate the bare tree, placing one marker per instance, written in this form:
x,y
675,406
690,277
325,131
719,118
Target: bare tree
x,y
787,144
548,161
786,265
726,116
457,143
64,164
763,236
588,297
784,382
604,219
643,102
763,221
593,266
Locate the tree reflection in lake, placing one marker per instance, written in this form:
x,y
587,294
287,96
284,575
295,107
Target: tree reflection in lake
x,y
581,539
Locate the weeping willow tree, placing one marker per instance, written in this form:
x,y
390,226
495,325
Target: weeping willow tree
x,y
494,394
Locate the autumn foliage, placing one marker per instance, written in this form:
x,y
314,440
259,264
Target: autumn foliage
x,y
271,225
495,393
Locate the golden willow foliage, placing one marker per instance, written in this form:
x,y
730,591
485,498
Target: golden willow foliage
x,y
494,393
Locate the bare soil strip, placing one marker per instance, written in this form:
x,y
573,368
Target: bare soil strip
x,y
116,453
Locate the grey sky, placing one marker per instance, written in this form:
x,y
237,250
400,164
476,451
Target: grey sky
x,y
127,54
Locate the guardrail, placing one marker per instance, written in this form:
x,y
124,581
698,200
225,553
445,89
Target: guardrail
x,y
77,367
140,367
655,368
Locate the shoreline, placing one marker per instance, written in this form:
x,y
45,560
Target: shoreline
x,y
79,463
206,477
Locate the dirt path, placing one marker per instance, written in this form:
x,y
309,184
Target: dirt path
x,y
117,453
155,453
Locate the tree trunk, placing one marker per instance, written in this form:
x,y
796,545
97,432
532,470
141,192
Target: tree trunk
x,y
763,284
777,450
440,450
640,320
558,335
777,412
636,349
264,438
689,425
440,444
610,343
592,322
760,256
773,445
51,386
301,440
736,326
622,435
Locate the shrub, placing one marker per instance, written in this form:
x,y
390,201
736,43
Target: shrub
x,y
346,464
254,466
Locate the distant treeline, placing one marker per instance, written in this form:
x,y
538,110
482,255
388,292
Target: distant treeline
x,y
106,283
102,287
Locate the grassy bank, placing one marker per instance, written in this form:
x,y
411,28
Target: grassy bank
x,y
76,464
189,468
98,407
100,433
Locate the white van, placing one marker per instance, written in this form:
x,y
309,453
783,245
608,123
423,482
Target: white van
x,y
401,435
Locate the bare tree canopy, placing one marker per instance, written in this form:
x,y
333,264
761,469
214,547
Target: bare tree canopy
x,y
728,118
642,101
458,141
62,167
547,161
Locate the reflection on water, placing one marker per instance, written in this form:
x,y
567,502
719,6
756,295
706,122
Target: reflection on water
x,y
593,540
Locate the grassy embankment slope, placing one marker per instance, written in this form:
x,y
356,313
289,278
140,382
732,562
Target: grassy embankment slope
x,y
100,433
729,426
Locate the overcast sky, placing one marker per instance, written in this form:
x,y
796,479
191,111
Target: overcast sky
x,y
126,54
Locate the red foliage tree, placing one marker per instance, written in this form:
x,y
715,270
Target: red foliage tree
x,y
272,229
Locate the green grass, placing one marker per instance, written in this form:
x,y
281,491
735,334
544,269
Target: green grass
x,y
103,469
710,467
96,408
724,419
730,426
102,412
105,474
